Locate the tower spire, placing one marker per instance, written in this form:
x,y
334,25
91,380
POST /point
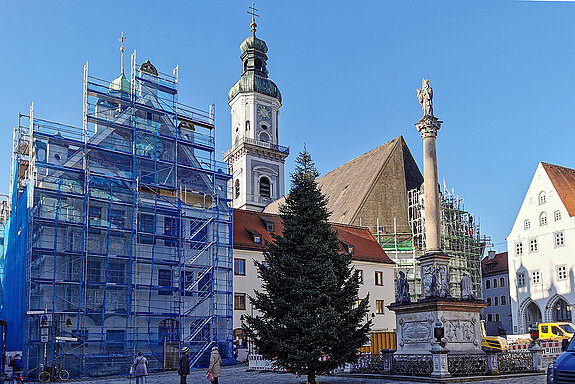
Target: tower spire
x,y
252,12
121,40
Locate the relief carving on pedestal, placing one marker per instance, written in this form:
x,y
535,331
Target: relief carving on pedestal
x,y
435,281
416,331
459,331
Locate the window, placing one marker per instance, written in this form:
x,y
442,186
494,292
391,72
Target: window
x,y
502,281
526,224
496,301
378,278
116,272
503,300
494,283
559,239
240,301
164,280
535,277
146,225
170,230
543,218
94,215
265,264
521,279
237,188
359,276
562,272
542,198
94,271
557,215
269,226
489,317
544,329
533,245
358,302
117,218
518,248
169,330
239,266
350,249
379,307
257,238
265,187
198,233
487,284
489,301
497,317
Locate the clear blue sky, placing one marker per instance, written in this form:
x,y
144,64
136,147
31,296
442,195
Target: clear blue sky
x,y
503,74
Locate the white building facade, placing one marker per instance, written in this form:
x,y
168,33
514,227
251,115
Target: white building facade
x,y
541,250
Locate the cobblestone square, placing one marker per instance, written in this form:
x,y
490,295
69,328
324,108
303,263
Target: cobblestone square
x,y
239,375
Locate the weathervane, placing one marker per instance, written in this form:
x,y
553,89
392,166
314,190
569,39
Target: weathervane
x,y
121,40
252,12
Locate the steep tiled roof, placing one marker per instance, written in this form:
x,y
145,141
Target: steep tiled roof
x,y
248,223
563,180
495,266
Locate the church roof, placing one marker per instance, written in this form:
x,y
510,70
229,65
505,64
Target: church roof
x,y
121,84
248,224
349,186
563,179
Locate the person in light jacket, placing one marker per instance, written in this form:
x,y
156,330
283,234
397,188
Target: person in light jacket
x,y
140,365
215,364
184,368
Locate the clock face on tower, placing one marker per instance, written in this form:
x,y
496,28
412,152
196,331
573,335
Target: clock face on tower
x,y
264,113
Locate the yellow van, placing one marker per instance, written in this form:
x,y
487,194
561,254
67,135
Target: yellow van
x,y
558,330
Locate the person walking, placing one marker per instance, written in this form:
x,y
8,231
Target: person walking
x,y
17,366
215,364
184,368
140,366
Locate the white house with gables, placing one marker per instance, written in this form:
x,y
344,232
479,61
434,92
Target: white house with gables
x,y
541,250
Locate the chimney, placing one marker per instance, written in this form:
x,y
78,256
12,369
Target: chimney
x,y
490,255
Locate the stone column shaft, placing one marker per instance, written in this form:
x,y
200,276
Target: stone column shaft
x,y
431,195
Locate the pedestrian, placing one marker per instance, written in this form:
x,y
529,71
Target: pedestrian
x,y
215,364
140,366
184,369
17,368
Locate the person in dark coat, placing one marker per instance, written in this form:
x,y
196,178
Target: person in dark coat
x,y
184,368
140,366
17,366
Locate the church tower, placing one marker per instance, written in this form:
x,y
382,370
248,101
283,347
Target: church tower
x,y
256,157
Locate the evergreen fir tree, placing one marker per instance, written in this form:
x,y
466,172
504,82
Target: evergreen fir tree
x,y
309,299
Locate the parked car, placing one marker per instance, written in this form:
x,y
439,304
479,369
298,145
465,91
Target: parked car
x,y
562,370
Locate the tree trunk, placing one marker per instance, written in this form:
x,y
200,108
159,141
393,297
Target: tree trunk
x,y
311,377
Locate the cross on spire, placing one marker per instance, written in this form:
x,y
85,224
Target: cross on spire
x,y
121,40
253,11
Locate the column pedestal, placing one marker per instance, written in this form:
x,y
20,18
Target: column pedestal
x,y
439,357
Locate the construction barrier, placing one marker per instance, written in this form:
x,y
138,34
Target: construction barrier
x,y
379,341
551,348
518,347
258,363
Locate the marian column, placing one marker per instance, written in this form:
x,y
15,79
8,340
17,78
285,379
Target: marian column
x,y
434,263
456,320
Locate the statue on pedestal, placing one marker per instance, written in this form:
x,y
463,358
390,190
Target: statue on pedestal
x,y
466,287
425,96
402,290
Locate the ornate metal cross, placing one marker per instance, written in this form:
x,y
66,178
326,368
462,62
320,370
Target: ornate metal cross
x,y
253,11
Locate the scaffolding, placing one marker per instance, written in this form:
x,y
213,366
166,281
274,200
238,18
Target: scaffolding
x,y
120,234
460,239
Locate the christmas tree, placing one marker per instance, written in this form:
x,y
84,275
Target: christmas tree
x,y
310,321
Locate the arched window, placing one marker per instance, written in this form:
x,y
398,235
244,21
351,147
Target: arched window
x,y
264,137
237,188
265,187
169,330
557,215
245,65
543,218
542,198
258,64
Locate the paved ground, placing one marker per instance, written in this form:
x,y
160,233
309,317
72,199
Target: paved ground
x,y
239,375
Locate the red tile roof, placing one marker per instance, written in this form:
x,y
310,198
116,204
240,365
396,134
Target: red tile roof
x,y
247,223
495,266
563,180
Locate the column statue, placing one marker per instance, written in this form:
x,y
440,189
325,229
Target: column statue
x,y
425,97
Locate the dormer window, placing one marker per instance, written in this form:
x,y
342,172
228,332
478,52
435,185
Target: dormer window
x,y
269,226
256,237
349,248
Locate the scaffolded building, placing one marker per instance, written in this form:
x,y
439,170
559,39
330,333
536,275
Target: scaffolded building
x,y
460,239
119,238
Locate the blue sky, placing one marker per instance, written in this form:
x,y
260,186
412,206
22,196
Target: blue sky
x,y
502,71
